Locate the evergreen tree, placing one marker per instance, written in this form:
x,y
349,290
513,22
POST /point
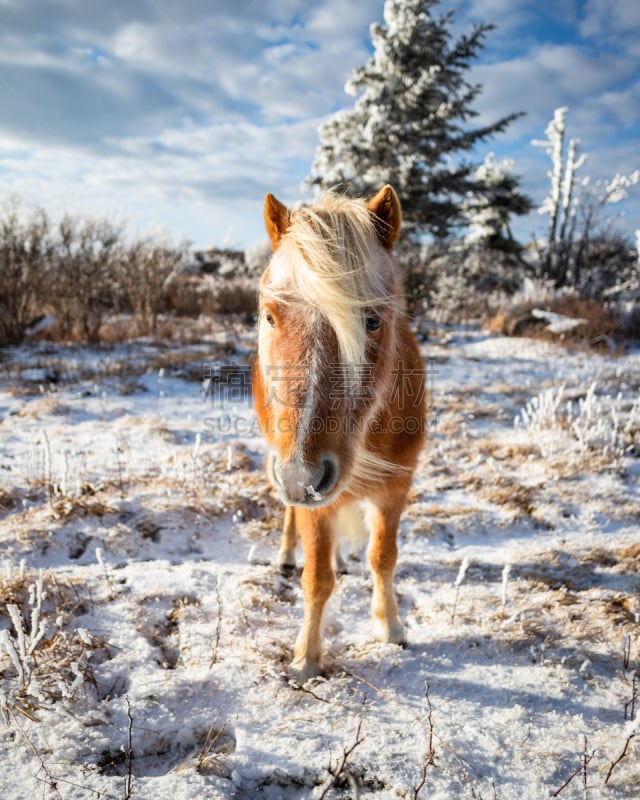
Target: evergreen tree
x,y
487,209
408,124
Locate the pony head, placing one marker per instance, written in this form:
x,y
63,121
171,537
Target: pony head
x,y
327,344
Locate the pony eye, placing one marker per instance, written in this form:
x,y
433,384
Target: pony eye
x,y
373,323
270,319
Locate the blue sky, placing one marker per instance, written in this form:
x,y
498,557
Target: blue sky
x,y
182,115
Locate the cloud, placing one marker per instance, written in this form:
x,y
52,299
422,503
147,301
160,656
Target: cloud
x,y
197,103
208,177
606,19
186,114
554,75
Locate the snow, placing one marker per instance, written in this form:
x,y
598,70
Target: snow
x,y
163,630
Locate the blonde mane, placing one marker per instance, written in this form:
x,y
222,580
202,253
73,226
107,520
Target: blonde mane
x,y
330,258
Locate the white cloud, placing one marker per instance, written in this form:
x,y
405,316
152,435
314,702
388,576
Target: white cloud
x,y
135,42
220,170
187,113
604,18
550,76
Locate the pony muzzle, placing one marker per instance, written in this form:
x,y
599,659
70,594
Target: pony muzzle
x,y
303,484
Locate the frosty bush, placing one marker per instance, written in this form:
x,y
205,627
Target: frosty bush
x,y
594,423
256,257
41,661
543,412
488,206
603,424
458,282
20,644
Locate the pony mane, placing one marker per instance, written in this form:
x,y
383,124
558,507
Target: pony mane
x,y
330,258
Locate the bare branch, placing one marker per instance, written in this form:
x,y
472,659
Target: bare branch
x,y
430,754
615,763
581,769
128,781
341,769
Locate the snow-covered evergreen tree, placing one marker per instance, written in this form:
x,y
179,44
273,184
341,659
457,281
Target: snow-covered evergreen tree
x,y
408,125
488,207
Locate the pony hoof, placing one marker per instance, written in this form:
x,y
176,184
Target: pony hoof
x,y
303,669
391,632
287,570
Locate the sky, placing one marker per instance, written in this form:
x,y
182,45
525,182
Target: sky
x,y
183,115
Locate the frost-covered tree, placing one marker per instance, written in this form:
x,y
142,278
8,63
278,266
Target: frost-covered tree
x,y
559,204
409,124
488,207
575,206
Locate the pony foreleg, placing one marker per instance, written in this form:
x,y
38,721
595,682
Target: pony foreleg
x,y
316,533
383,555
288,541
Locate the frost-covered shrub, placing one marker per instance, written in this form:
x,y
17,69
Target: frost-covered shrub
x,y
604,424
543,412
487,210
594,423
43,656
458,283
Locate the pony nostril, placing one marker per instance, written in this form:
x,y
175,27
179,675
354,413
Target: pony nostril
x,y
328,477
303,484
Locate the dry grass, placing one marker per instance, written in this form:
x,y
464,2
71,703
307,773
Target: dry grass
x,y
9,500
508,492
117,329
620,560
599,326
69,507
427,511
62,595
514,454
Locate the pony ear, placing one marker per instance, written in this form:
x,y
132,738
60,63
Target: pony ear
x,y
276,219
387,216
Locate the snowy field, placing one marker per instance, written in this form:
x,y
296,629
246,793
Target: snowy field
x,y
145,633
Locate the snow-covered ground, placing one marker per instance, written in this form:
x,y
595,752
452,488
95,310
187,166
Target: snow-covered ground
x,y
145,633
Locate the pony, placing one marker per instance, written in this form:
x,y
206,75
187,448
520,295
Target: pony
x,y
339,392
